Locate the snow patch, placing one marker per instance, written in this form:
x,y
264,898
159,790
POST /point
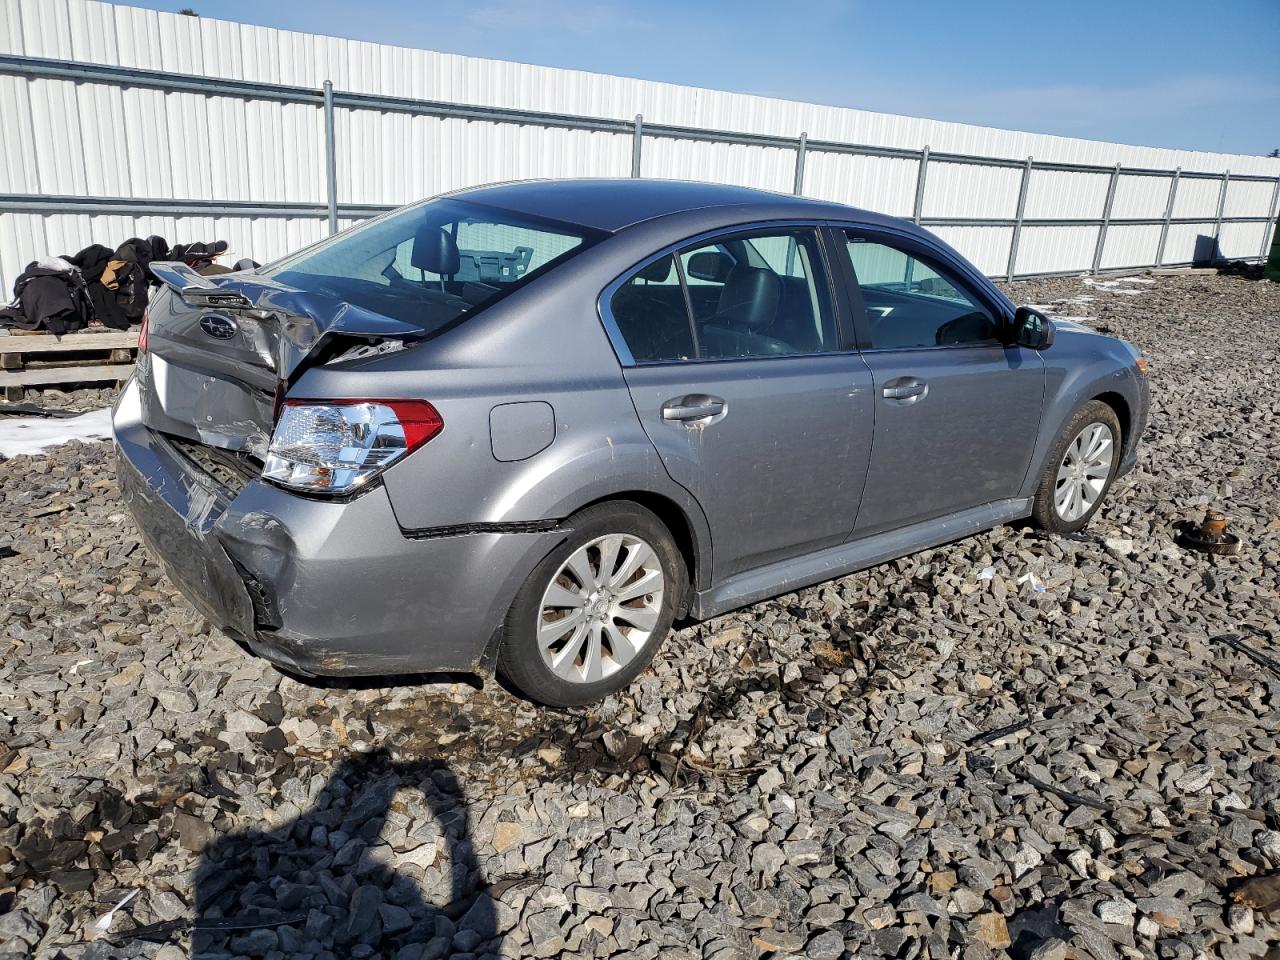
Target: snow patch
x,y
32,435
1113,286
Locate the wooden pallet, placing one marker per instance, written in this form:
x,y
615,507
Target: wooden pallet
x,y
43,360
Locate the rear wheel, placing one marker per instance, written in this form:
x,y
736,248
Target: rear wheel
x,y
592,614
1080,470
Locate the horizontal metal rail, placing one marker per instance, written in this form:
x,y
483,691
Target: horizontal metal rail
x,y
137,206
150,206
153,206
1082,222
36,68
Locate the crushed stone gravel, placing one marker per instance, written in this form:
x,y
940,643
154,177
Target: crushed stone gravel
x,y
805,777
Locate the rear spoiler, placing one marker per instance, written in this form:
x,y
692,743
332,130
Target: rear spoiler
x,y
195,288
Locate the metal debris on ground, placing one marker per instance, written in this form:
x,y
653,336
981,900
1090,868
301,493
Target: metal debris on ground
x,y
34,410
1069,796
152,931
1211,536
990,736
1233,641
494,891
1046,535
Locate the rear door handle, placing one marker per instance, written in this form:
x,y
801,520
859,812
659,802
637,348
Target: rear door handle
x,y
694,406
905,389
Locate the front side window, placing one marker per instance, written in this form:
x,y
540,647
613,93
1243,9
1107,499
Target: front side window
x,y
912,303
434,263
748,295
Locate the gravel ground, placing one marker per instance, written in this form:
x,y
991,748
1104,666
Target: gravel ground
x,y
820,775
78,401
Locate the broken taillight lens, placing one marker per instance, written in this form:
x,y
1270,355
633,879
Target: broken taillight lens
x,y
337,446
142,332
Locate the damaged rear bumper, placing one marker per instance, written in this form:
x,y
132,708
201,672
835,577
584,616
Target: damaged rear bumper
x,y
175,514
316,586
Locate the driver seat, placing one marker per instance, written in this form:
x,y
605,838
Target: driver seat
x,y
435,251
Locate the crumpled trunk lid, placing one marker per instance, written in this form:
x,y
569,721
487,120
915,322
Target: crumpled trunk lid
x,y
221,352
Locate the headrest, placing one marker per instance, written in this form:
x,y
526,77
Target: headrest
x,y
435,251
749,300
657,271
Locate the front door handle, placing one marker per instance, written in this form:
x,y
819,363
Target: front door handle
x,y
694,406
905,389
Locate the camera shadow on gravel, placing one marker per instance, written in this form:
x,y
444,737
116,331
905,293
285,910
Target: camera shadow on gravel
x,y
320,883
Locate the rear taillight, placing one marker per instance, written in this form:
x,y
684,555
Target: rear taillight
x,y
339,445
142,332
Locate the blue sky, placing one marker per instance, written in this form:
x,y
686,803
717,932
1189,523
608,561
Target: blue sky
x,y
1175,73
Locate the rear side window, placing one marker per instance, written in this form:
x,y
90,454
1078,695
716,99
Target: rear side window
x,y
911,302
649,310
748,295
434,263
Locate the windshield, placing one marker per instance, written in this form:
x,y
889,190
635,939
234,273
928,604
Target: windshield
x,y
433,263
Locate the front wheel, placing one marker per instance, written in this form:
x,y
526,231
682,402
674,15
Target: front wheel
x,y
592,614
1080,470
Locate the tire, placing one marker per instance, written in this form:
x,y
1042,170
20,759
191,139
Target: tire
x,y
1049,512
581,665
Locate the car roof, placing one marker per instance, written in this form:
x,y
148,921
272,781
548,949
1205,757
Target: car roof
x,y
615,204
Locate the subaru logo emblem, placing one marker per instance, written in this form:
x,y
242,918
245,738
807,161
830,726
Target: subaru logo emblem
x,y
218,327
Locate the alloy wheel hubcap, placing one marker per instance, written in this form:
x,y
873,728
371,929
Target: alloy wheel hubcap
x,y
1083,472
600,608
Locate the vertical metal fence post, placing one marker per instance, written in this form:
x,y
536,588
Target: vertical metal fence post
x,y
637,137
1106,218
1168,215
801,147
1270,225
1017,224
1217,226
917,208
330,157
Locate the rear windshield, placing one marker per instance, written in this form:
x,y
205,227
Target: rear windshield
x,y
433,263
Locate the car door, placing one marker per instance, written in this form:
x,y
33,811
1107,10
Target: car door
x,y
743,373
957,410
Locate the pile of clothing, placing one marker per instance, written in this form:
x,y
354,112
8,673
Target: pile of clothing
x,y
98,284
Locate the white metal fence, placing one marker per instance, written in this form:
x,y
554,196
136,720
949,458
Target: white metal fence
x,y
120,122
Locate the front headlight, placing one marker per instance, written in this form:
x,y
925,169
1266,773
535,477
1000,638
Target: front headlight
x,y
336,446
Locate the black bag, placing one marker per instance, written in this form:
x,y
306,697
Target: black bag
x,y
50,294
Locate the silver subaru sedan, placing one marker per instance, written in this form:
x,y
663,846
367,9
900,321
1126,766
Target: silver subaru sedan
x,y
527,427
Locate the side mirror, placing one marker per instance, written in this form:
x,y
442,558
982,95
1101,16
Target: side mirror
x,y
1032,329
710,265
